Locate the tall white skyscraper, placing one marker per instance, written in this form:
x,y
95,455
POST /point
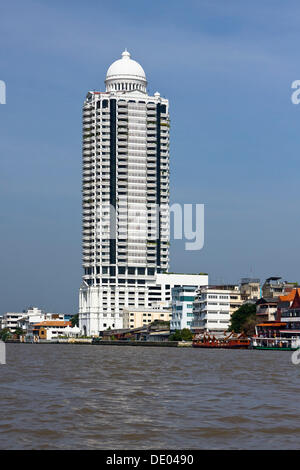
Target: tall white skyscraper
x,y
125,181
125,167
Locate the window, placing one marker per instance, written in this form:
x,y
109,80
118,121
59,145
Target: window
x,y
112,270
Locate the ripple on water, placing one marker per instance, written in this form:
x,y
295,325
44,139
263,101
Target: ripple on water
x,y
93,397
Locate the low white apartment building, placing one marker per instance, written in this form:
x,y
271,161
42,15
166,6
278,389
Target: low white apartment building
x,y
11,320
182,307
211,311
31,318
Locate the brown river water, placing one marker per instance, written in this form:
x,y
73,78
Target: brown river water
x,y
110,397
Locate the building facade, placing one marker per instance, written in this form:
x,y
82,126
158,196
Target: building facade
x,y
10,320
275,286
182,307
51,329
136,318
235,296
13,320
211,311
250,288
291,316
266,309
125,226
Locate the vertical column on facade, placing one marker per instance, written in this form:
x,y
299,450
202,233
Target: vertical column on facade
x,y
113,177
158,182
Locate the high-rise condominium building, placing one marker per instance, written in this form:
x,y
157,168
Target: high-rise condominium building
x,y
125,201
125,178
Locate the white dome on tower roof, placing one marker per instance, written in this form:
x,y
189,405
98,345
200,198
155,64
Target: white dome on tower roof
x,y
125,71
125,67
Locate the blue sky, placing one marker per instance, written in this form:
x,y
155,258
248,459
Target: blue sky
x,y
227,69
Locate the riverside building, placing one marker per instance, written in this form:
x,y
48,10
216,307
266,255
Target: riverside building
x,y
250,288
13,320
211,311
182,307
125,238
137,318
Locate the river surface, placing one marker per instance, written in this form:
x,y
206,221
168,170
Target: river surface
x,y
110,397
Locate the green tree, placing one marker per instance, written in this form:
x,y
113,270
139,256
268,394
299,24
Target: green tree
x,y
181,335
75,320
186,334
5,334
249,326
243,318
19,332
176,336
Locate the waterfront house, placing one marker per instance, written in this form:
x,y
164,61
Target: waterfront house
x,y
51,329
266,309
291,315
287,321
13,320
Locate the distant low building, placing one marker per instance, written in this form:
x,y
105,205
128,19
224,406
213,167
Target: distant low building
x,y
156,331
138,317
10,320
13,320
291,315
250,288
275,286
52,330
285,302
266,309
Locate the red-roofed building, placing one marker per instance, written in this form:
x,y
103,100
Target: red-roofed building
x,y
52,329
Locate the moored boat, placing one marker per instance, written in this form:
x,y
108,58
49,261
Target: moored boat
x,y
276,344
232,341
275,335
